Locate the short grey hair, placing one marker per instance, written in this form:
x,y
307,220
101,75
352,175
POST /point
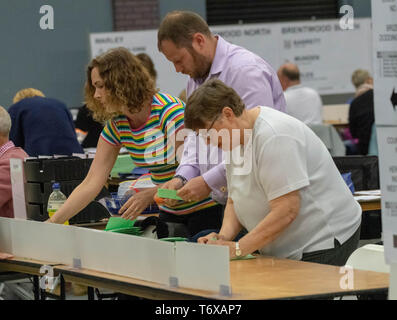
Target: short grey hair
x,y
359,77
5,122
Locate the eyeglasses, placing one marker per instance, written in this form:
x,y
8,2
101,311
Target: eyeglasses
x,y
205,134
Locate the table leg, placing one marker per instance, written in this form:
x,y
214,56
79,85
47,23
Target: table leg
x,y
36,287
90,293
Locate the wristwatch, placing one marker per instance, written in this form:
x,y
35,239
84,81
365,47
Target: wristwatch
x,y
182,178
238,250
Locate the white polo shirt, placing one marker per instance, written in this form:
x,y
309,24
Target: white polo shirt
x,y
304,104
288,156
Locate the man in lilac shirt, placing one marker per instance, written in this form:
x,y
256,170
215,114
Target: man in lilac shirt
x,y
185,40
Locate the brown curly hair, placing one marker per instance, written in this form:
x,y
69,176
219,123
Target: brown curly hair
x,y
127,81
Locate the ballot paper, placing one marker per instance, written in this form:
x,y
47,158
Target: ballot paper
x,y
368,193
366,198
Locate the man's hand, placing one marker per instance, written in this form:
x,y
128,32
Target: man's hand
x,y
173,184
195,190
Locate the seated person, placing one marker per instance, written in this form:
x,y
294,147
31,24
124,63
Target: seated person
x,y
293,201
87,129
361,119
7,151
42,126
303,103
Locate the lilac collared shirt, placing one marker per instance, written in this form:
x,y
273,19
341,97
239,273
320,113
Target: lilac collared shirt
x,y
256,83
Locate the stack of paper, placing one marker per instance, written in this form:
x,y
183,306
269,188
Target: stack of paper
x,y
120,225
367,195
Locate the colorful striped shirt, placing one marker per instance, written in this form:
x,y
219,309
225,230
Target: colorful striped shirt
x,y
148,145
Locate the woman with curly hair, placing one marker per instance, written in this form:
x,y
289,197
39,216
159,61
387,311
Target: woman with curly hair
x,y
120,91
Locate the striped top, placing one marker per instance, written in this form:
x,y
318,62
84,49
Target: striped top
x,y
148,145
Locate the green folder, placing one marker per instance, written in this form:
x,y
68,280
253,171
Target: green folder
x,y
119,223
248,256
169,194
123,164
173,239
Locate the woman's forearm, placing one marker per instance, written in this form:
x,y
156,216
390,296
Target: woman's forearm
x,y
231,226
81,196
284,211
93,183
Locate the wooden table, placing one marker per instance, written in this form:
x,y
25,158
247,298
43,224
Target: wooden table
x,y
257,279
371,205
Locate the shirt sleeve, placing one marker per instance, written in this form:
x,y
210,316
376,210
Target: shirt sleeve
x,y
172,118
111,134
189,166
216,178
258,90
282,166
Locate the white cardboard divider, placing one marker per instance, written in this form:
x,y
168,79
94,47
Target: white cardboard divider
x,y
202,266
42,241
18,188
126,255
5,235
191,265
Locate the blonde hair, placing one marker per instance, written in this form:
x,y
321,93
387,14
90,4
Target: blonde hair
x,y
126,79
5,122
27,93
359,77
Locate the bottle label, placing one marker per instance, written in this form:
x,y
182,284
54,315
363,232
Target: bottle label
x,y
54,205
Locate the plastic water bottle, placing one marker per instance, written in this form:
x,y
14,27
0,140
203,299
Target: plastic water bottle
x,y
56,200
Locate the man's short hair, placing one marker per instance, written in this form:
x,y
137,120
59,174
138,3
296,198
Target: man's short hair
x,y
292,74
180,26
5,122
208,101
27,93
359,77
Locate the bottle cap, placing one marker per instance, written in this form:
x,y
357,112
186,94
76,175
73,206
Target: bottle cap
x,y
56,185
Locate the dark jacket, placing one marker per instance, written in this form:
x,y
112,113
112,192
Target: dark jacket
x,y
43,126
361,119
86,123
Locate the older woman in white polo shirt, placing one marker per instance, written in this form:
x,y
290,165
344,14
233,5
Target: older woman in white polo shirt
x,y
293,201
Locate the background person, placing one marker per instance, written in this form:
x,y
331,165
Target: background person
x,y
362,119
362,81
87,129
303,103
7,152
288,207
148,64
42,126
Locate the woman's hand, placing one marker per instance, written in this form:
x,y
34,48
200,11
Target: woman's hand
x,y
136,204
210,238
217,239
